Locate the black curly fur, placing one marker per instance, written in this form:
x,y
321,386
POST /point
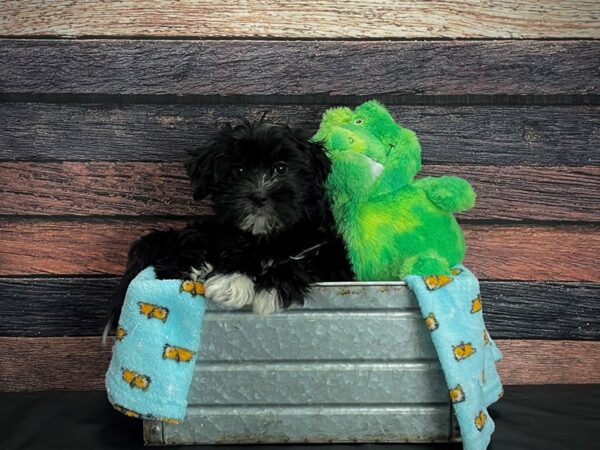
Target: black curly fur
x,y
255,173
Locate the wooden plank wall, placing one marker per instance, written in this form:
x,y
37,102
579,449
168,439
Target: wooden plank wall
x,y
100,101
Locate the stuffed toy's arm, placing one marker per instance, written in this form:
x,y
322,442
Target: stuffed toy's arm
x,y
353,175
450,194
403,162
397,173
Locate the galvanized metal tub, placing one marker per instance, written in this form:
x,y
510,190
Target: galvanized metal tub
x,y
355,364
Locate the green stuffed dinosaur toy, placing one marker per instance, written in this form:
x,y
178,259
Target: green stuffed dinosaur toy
x,y
393,225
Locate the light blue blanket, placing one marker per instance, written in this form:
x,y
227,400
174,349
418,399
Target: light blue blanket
x,y
452,309
154,354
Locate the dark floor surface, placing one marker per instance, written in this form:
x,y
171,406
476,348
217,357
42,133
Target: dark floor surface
x,y
528,417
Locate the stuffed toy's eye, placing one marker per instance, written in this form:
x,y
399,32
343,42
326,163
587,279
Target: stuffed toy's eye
x,y
358,121
279,168
238,170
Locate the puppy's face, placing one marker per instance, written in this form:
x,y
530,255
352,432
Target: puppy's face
x,y
263,178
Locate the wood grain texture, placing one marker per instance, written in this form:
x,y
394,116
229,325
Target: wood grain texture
x,y
40,364
513,310
523,192
533,253
142,189
523,252
547,310
491,135
97,189
545,362
321,19
226,68
55,306
63,248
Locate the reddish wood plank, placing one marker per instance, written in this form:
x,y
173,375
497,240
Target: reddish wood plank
x,y
549,362
523,192
318,19
532,253
138,189
62,248
70,188
39,364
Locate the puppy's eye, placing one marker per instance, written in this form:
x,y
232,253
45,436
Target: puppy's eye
x,y
358,121
238,170
279,168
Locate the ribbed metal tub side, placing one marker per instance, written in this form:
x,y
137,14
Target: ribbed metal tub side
x,y
355,364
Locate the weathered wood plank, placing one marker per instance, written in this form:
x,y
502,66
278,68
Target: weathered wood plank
x,y
542,310
533,253
522,192
39,364
513,310
546,362
226,68
55,306
528,253
491,135
322,19
142,189
97,189
63,248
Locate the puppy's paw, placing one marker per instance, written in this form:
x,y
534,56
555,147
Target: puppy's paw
x,y
233,290
202,272
266,302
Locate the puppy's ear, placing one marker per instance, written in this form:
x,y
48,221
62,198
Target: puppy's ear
x,y
320,162
319,159
201,170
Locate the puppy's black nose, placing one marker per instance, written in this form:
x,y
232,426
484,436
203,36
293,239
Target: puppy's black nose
x,y
258,198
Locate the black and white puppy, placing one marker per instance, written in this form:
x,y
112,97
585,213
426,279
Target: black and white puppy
x,y
273,233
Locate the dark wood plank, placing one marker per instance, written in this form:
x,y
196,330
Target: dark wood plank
x,y
142,189
521,252
55,306
319,19
39,364
330,68
513,310
491,135
542,310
